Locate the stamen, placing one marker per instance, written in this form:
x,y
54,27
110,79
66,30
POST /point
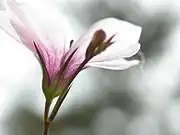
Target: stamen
x,y
71,43
64,69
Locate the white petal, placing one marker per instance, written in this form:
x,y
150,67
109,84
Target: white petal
x,y
119,64
125,32
116,51
126,45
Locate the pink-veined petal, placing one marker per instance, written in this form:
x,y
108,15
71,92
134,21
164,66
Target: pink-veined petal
x,y
26,36
50,60
39,23
12,25
41,19
119,64
6,25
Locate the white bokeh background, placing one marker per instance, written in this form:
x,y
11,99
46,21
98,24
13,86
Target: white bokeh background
x,y
20,82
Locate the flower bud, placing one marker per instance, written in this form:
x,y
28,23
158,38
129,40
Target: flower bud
x,y
98,44
97,39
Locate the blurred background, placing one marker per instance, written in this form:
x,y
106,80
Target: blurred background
x,y
101,102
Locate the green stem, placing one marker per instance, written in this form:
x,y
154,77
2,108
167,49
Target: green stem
x,y
46,119
57,105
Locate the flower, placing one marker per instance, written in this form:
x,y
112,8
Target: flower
x,y
106,44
